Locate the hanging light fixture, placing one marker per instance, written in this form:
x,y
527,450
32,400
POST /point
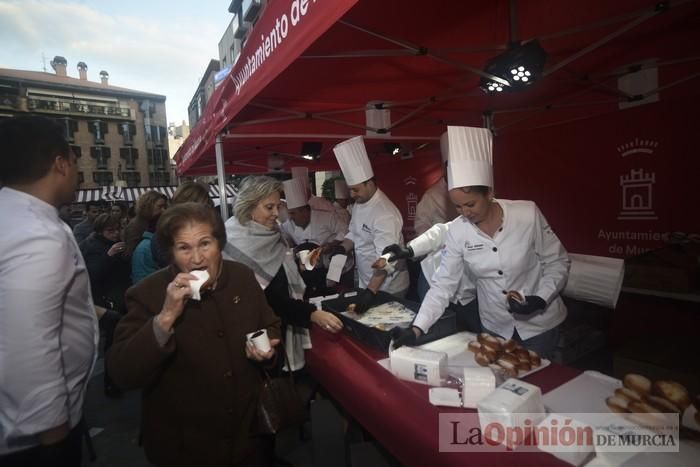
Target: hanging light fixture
x,y
520,65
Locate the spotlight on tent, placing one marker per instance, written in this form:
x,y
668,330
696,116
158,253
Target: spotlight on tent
x,y
392,148
311,151
520,66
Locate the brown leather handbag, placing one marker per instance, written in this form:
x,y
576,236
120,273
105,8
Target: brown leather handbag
x,y
279,406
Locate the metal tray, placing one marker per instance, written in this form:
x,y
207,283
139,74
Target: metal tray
x,y
376,338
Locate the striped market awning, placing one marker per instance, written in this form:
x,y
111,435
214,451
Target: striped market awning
x,y
131,194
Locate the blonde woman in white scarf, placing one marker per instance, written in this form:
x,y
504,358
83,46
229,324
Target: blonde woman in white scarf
x,y
254,239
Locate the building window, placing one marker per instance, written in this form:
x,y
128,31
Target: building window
x,y
81,178
98,129
132,178
101,155
158,158
102,178
129,155
159,135
69,126
159,178
128,131
77,150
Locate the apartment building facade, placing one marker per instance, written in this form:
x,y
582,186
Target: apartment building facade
x,y
119,135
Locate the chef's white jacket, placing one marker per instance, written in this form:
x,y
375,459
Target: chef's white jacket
x,y
320,203
524,255
323,227
342,213
434,207
431,244
375,225
48,325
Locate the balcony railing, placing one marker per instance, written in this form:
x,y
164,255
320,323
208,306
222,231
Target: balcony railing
x,y
66,106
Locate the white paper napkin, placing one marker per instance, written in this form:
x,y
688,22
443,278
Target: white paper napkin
x,y
335,269
195,285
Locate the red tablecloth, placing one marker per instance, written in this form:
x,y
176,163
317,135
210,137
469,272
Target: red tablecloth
x,y
397,413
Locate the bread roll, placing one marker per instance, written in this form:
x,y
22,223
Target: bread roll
x,y
641,407
481,359
490,355
628,394
524,366
510,346
314,256
493,343
673,391
515,296
351,308
474,346
380,263
638,383
482,337
507,367
509,358
617,404
535,359
661,404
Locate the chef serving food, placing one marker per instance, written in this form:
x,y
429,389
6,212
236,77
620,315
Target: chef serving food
x,y
312,231
508,248
375,224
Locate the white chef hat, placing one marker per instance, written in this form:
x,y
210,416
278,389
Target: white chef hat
x,y
341,189
353,160
302,173
595,279
294,193
470,157
444,147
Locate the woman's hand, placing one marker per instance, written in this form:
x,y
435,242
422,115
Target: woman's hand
x,y
254,354
116,249
176,294
327,321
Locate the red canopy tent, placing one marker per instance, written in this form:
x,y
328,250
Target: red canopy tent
x,y
309,69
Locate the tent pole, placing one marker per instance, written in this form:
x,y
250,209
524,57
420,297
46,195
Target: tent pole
x,y
221,175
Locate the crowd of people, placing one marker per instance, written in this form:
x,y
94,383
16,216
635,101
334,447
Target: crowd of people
x,y
131,279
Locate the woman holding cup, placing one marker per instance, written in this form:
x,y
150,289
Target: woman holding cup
x,y
200,375
255,239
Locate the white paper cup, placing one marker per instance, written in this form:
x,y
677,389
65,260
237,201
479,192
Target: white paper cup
x,y
304,259
260,340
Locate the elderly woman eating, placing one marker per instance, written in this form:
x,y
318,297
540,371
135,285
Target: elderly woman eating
x,y
200,378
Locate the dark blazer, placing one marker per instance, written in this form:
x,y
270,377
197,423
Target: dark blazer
x,y
199,391
110,276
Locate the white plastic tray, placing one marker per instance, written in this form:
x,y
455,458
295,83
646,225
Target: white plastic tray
x,y
459,357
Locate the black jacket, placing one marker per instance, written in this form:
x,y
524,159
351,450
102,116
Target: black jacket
x,y
109,275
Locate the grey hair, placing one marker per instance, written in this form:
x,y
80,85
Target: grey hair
x,y
253,189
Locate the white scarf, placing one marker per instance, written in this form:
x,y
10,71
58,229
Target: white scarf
x,y
264,250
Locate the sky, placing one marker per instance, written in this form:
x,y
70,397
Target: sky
x,y
156,46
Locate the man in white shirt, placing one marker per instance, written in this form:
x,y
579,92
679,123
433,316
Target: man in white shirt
x,y
48,326
376,223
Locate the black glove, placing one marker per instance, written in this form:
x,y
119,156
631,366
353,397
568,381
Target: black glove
x,y
403,336
364,301
398,252
338,250
531,306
